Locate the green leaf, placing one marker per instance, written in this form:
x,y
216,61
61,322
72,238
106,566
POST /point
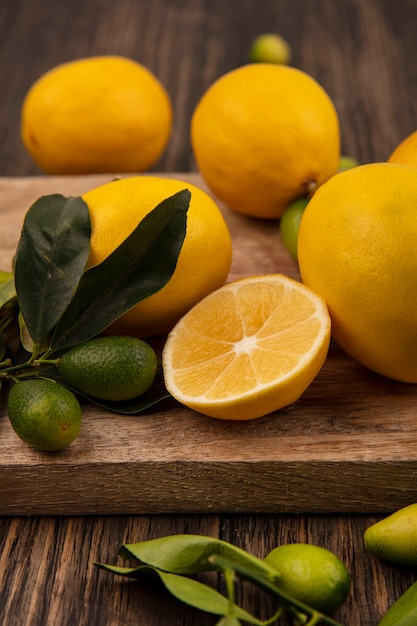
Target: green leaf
x,y
229,620
138,268
51,256
7,291
5,276
404,611
8,300
187,590
136,405
203,597
2,347
190,554
26,340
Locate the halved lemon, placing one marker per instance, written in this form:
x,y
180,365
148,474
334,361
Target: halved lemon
x,y
249,348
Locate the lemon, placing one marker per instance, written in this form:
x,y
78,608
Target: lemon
x,y
248,349
357,249
406,151
204,261
290,225
110,368
270,48
44,414
264,135
96,114
394,538
311,574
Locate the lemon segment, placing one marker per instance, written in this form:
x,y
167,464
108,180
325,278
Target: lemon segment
x,y
250,348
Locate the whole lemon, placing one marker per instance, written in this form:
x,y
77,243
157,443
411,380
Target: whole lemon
x,y
357,249
311,574
110,368
98,114
203,264
406,151
44,414
264,135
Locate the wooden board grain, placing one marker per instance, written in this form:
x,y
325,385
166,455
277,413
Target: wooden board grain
x,y
348,445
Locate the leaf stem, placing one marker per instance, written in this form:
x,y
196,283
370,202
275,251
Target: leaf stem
x,y
31,363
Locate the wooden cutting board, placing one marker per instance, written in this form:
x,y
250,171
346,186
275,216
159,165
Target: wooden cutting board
x,y
348,445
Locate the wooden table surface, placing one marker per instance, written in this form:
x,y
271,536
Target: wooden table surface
x,y
363,53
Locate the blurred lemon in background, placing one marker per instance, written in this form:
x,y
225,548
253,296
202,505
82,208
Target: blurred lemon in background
x,y
98,114
264,135
406,151
270,48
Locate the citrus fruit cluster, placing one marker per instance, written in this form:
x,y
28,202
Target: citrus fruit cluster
x,y
45,412
243,350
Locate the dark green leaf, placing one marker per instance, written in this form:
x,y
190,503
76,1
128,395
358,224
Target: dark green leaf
x,y
8,305
404,611
138,268
2,347
51,256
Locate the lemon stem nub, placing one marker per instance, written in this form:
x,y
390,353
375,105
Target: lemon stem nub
x,y
309,186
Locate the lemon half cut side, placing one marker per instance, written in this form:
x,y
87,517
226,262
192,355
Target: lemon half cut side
x,y
249,348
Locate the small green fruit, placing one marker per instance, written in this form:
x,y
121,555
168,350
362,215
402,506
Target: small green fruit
x,y
311,574
44,414
347,163
394,538
110,368
270,48
290,225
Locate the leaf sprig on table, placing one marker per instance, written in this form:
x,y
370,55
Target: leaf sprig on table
x,y
56,301
174,559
